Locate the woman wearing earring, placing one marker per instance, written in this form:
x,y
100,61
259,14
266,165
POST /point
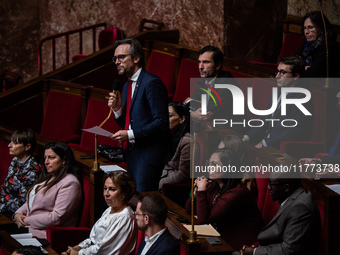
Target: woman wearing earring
x,y
22,172
116,231
56,197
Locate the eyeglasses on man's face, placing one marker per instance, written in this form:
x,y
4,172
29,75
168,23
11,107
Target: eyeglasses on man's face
x,y
138,214
281,72
120,58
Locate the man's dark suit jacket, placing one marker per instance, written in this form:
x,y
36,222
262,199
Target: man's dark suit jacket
x,y
295,229
149,119
226,110
280,133
165,245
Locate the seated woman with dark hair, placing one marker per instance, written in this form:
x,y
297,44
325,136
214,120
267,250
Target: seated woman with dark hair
x,y
235,143
22,172
225,202
313,51
116,231
177,170
56,197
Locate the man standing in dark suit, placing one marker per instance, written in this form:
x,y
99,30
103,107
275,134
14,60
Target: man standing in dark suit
x,y
273,132
210,62
295,229
142,112
151,214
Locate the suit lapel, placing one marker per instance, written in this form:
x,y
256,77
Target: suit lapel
x,y
286,206
159,240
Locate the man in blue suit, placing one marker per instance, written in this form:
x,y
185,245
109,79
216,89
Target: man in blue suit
x,y
151,214
142,113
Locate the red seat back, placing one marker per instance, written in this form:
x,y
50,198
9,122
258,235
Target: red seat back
x,y
163,65
266,205
97,112
188,69
292,42
62,117
108,36
5,160
85,215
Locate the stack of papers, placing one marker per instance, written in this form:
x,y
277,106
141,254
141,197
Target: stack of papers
x,y
27,239
203,230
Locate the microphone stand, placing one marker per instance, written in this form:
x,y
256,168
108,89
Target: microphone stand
x,y
193,234
96,165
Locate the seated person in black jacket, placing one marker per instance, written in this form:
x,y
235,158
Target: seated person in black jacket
x,y
296,123
313,51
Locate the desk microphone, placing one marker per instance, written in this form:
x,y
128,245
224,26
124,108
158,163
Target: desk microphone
x,y
115,86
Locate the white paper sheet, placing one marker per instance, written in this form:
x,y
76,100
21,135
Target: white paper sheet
x,y
334,187
99,131
111,168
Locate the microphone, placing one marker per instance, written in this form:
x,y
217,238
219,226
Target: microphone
x,y
115,86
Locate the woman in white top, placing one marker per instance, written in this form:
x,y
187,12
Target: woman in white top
x,y
116,231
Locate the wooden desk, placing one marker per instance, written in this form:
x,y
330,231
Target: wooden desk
x,y
181,233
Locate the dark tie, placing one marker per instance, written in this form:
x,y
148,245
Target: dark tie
x,y
127,112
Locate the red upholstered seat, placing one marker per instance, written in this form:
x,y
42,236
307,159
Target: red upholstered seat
x,y
5,160
61,237
266,205
188,69
106,38
292,42
62,117
97,112
163,65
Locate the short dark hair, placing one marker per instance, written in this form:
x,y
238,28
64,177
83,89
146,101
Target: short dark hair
x,y
29,250
155,207
136,49
298,66
217,53
316,18
25,136
125,181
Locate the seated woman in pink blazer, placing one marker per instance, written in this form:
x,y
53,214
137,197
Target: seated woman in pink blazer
x,y
55,198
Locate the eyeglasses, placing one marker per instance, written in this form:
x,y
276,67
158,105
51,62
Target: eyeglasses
x,y
282,72
212,163
135,213
120,58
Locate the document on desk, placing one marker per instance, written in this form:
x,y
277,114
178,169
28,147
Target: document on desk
x,y
27,239
203,230
334,187
110,168
99,131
